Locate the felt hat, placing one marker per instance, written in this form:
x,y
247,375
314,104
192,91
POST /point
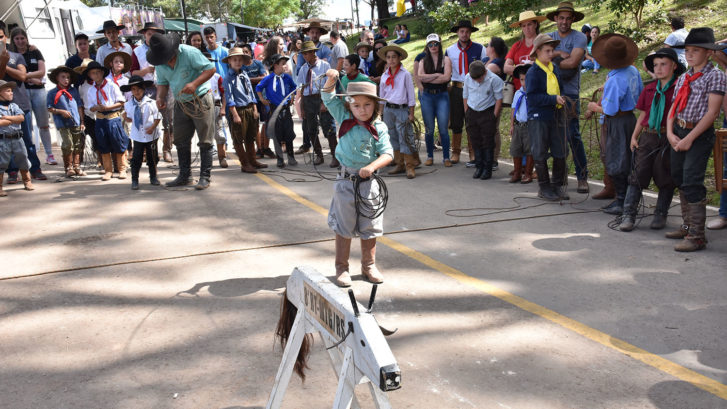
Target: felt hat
x,y
383,50
79,36
565,6
94,65
237,51
138,81
53,75
308,46
361,88
463,23
434,37
477,69
363,45
150,25
702,37
520,69
527,15
614,51
6,84
110,24
125,56
277,57
317,25
665,53
162,48
540,41
81,68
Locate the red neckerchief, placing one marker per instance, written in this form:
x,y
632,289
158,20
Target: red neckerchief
x,y
390,80
352,77
351,122
680,102
100,89
116,78
62,91
463,66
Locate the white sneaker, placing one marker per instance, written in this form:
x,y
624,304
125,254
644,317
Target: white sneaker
x,y
718,223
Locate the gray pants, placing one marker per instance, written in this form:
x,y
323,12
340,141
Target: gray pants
x,y
395,119
220,136
342,217
196,115
13,149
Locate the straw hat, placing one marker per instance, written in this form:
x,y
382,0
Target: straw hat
x,y
527,16
317,25
565,6
53,75
308,46
237,51
540,41
383,50
614,51
81,68
361,88
110,58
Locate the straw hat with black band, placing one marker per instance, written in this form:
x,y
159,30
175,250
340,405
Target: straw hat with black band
x,y
665,53
702,37
383,50
108,61
614,51
150,25
237,51
565,6
465,24
317,25
527,15
110,24
308,46
162,48
53,75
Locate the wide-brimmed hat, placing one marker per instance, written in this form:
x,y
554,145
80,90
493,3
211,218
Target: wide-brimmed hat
x,y
520,69
363,45
702,37
81,68
138,81
237,51
125,56
6,84
383,50
110,24
463,23
277,57
361,88
150,25
434,37
540,41
614,51
95,65
665,53
53,75
162,48
317,25
308,46
527,15
565,6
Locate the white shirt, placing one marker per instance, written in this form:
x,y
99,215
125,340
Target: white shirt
x,y
113,95
453,54
215,83
677,37
123,80
149,114
140,53
83,91
107,49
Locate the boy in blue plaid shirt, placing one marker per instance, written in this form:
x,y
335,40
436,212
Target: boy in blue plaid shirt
x,y
11,136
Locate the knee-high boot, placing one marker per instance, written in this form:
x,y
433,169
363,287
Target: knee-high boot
x,y
683,229
456,147
222,155
108,167
630,206
559,178
368,262
121,163
545,190
663,202
529,164
695,238
343,251
399,162
184,155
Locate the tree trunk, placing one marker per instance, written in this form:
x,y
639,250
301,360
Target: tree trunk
x,y
382,7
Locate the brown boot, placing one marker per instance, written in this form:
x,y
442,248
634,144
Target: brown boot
x,y
68,165
167,142
25,174
684,228
121,163
250,150
517,172
368,262
399,163
471,152
77,165
416,159
343,250
456,147
409,165
608,191
108,167
245,165
695,239
528,175
222,155
2,192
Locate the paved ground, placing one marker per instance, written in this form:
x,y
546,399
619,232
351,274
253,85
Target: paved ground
x,y
169,299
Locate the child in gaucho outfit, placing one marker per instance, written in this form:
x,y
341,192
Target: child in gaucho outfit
x,y
698,97
363,148
66,106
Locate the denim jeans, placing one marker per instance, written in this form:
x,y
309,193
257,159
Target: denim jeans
x,y
591,65
40,109
688,168
435,106
576,143
28,140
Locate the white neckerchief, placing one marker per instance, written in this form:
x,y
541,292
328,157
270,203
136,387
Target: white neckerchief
x,y
282,85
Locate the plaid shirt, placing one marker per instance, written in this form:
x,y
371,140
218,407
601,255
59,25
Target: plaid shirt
x,y
712,81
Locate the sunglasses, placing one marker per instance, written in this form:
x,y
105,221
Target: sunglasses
x,y
433,44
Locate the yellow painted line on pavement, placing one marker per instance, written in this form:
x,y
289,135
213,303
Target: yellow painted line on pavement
x,y
687,375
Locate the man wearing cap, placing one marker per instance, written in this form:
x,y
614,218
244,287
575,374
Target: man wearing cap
x,y
82,51
568,56
314,32
186,71
462,54
111,31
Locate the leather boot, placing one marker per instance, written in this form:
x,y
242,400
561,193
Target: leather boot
x,y
291,154
77,165
25,175
222,155
245,165
153,173
630,207
108,167
343,250
332,143
695,239
399,162
663,202
608,191
250,150
167,142
528,176
2,192
516,173
68,165
205,170
409,165
121,162
456,147
135,175
682,231
545,190
368,262
417,160
489,160
184,178
560,187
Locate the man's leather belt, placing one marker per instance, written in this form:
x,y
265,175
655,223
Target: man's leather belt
x,y
458,84
397,106
686,125
16,135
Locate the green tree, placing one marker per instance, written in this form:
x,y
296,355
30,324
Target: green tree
x,y
309,9
264,13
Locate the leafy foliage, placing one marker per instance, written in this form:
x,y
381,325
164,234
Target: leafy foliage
x,y
448,14
310,8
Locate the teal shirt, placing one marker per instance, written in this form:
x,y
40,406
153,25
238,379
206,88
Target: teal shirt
x,y
190,64
358,147
359,78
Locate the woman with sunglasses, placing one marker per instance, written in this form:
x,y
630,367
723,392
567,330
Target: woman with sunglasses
x,y
435,71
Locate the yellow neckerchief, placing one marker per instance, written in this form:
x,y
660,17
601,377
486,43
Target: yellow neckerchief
x,y
551,79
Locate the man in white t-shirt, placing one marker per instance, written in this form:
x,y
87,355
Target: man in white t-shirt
x,y
677,37
339,51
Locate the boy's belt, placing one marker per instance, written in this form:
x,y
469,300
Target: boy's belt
x,y
661,131
518,123
397,106
621,113
16,135
458,84
686,125
110,115
434,91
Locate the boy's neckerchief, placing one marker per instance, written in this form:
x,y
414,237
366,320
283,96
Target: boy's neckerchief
x,y
680,101
551,79
100,90
656,115
116,78
351,122
390,80
353,76
60,92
